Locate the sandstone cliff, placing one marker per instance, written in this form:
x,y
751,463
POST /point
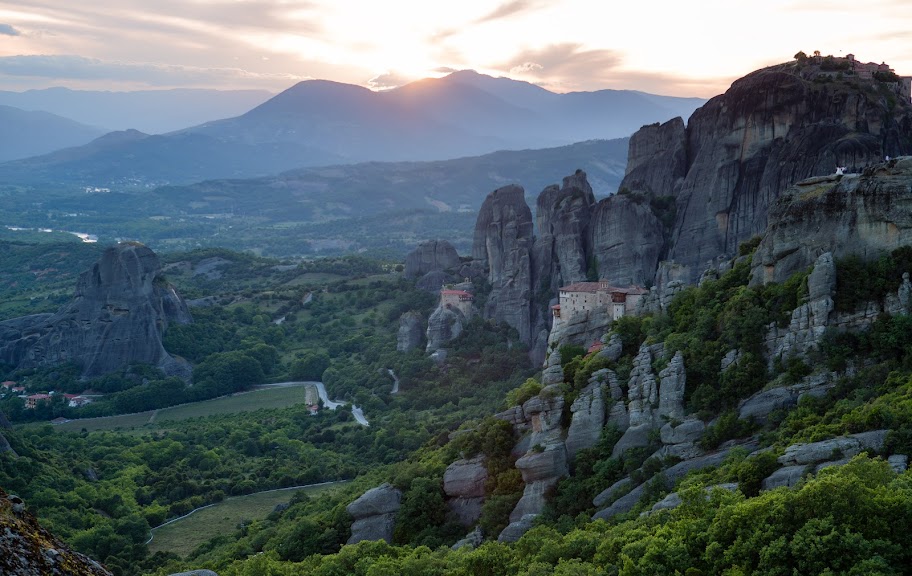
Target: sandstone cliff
x,y
430,256
503,242
743,148
864,214
117,316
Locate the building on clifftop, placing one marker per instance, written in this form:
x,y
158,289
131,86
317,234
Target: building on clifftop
x,y
601,296
456,299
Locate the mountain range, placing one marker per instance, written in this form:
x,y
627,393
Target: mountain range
x,y
150,111
319,122
29,133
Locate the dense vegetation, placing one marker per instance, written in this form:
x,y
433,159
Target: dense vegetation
x,y
846,520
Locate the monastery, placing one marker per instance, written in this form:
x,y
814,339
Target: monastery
x,y
589,296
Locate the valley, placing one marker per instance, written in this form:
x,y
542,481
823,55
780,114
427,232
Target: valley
x,y
686,351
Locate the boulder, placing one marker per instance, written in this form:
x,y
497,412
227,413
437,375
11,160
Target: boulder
x,y
430,256
845,447
611,493
465,478
515,530
375,514
898,462
788,477
613,348
411,331
642,389
543,464
121,308
634,437
433,281
474,539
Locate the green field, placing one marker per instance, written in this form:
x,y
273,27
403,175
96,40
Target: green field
x,y
242,402
185,535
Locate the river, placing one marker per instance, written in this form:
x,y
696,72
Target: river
x,y
87,238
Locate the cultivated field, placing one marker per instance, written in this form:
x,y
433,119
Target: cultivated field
x,y
279,397
185,535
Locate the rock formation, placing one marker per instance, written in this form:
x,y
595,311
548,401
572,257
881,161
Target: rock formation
x,y
627,240
120,310
444,325
562,215
411,331
375,514
503,242
865,215
27,549
430,256
656,159
464,485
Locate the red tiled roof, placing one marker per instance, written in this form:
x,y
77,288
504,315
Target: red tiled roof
x,y
39,397
593,287
7,384
457,292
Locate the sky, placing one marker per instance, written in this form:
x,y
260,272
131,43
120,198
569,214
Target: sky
x,y
673,47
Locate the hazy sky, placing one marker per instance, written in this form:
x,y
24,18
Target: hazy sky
x,y
678,47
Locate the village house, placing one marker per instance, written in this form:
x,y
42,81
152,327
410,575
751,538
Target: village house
x,y
76,400
602,296
31,402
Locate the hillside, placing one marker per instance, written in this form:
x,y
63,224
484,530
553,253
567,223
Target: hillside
x,y
319,122
328,210
33,133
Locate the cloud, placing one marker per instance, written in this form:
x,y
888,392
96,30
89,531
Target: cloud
x,y
507,9
566,63
445,70
387,81
7,30
71,67
526,68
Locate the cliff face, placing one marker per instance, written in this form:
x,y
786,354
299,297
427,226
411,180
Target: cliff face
x,y
743,148
503,242
627,240
117,316
865,215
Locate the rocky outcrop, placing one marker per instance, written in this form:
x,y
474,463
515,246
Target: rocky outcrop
x,y
581,327
562,215
375,514
503,242
671,394
5,446
464,484
196,573
430,256
587,416
627,240
444,325
656,159
864,215
117,317
800,460
772,128
411,331
759,406
27,549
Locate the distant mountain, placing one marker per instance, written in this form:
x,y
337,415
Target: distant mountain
x,y
24,133
318,122
377,206
150,111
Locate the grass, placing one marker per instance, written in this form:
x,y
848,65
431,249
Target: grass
x,y
184,536
243,402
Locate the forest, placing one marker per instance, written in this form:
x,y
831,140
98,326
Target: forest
x,y
102,491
